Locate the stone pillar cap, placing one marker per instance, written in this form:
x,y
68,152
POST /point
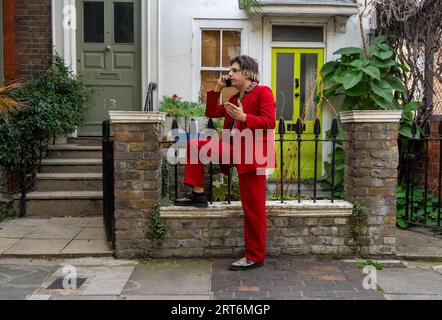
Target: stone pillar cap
x,y
136,117
380,116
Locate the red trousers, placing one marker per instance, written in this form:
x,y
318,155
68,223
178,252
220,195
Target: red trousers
x,y
253,198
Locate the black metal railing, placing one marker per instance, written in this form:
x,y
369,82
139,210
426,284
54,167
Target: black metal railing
x,y
23,175
299,129
108,183
422,204
148,106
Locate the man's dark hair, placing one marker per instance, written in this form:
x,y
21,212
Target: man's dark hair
x,y
249,67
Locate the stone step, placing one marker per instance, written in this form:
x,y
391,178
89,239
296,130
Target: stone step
x,y
62,204
87,141
71,166
72,151
47,182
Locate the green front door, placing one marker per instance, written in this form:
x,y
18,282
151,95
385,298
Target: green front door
x,y
109,58
295,84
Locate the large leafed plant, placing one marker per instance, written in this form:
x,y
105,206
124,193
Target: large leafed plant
x,y
366,79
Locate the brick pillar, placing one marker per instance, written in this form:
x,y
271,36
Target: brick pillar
x,y
371,162
137,137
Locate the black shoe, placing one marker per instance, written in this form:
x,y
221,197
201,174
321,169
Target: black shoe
x,y
194,200
244,264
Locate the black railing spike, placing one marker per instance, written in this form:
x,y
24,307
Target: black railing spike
x,y
281,126
317,128
210,124
299,127
414,129
334,128
427,130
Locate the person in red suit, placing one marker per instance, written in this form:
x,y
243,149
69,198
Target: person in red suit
x,y
252,112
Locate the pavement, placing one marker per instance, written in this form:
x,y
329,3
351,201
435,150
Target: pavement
x,y
55,237
202,280
69,259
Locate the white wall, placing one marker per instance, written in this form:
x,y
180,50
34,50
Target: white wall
x,y
176,31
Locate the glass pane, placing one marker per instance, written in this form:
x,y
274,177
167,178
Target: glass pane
x,y
231,46
309,69
285,85
124,22
93,22
208,82
296,33
211,41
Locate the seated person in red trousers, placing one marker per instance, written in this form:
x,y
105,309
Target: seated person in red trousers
x,y
252,111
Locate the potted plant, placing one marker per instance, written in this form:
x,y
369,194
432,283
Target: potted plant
x,y
366,80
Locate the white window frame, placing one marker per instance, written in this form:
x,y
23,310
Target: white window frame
x,y
198,25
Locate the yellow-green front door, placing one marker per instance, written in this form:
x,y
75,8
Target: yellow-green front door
x,y
295,84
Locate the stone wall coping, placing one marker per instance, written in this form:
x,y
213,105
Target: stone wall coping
x,y
370,116
136,117
305,209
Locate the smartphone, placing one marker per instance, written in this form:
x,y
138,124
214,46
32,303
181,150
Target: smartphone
x,y
228,83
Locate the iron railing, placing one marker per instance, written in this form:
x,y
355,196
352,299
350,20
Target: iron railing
x,y
298,128
108,183
422,201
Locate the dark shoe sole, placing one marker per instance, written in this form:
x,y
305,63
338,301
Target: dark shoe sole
x,y
253,266
197,205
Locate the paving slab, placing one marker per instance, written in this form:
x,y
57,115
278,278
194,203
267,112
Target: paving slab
x,y
6,243
92,247
410,281
418,243
54,232
15,231
170,278
34,247
95,222
19,281
99,282
27,222
91,234
412,297
70,222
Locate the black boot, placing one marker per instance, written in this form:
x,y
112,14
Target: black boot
x,y
194,200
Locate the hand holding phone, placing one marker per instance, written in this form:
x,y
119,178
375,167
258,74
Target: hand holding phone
x,y
228,83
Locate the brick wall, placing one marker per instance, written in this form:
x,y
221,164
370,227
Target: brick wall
x,y
28,37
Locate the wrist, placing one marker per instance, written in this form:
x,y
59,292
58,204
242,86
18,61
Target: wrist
x,y
244,118
218,89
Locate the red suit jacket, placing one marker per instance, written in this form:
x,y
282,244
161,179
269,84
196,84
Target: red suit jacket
x,y
260,107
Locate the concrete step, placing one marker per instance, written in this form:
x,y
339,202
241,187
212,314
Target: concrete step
x,y
62,204
47,182
71,166
87,141
72,151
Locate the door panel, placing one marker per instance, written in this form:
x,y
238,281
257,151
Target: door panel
x,y
108,42
295,85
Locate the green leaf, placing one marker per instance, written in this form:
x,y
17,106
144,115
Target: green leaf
x,y
360,63
372,72
401,223
383,64
350,103
349,51
382,89
329,67
361,89
406,132
412,106
383,55
351,79
396,83
381,102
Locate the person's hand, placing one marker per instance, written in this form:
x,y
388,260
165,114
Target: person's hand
x,y
221,83
236,112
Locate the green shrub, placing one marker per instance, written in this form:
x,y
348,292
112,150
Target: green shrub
x,y
54,104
